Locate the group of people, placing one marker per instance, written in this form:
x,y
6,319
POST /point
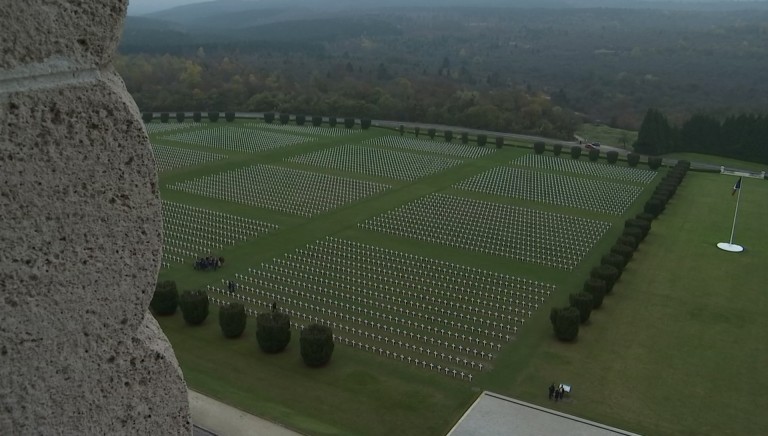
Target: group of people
x,y
209,263
556,393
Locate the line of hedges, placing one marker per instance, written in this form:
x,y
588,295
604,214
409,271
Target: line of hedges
x,y
602,278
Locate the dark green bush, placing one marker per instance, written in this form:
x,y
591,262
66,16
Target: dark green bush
x,y
634,233
269,117
594,155
416,131
180,117
349,123
448,136
229,116
583,302
317,120
402,130
147,117
285,118
332,121
633,159
624,251
365,123
597,288
575,152
464,138
213,117
499,141
273,331
165,299
316,345
653,207
565,322
194,306
627,240
654,163
645,216
539,147
482,140
643,225
164,117
557,149
614,260
606,273
301,120
232,319
612,156
431,133
197,117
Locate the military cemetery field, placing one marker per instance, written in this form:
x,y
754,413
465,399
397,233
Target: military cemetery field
x,y
436,265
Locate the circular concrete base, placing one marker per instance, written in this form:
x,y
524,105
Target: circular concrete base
x,y
733,248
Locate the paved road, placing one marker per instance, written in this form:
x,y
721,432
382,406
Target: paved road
x,y
216,418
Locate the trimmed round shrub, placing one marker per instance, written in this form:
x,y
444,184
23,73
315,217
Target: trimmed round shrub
x,y
482,140
557,149
332,121
615,260
539,147
597,288
229,116
612,156
448,136
634,233
653,207
594,155
165,299
645,216
582,301
464,138
402,130
416,131
627,240
180,117
643,225
213,117
194,306
285,118
316,345
147,116
273,331
365,123
349,123
431,133
301,120
499,141
633,159
654,163
565,322
317,121
575,152
606,273
269,117
232,319
625,251
164,117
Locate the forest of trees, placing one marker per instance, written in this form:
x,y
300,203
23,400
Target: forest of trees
x,y
743,136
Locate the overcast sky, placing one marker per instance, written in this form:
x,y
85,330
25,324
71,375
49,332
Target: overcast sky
x,y
139,7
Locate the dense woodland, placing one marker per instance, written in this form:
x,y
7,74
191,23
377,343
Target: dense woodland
x,y
540,71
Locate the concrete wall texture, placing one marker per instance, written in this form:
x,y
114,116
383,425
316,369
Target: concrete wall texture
x,y
80,233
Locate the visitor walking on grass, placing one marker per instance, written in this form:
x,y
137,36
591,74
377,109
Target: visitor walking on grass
x,y
551,391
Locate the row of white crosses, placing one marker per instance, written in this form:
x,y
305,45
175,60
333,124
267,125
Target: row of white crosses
x,y
238,139
365,337
571,191
608,171
376,162
191,232
170,158
157,127
449,148
283,189
525,234
307,129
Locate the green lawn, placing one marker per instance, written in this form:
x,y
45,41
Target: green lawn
x,y
669,352
607,135
717,160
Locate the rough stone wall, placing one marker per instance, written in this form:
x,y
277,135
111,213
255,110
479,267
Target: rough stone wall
x,y
80,233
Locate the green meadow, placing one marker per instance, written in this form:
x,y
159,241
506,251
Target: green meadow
x,y
675,349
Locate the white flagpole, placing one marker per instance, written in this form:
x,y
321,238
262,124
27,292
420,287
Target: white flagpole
x,y
738,198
